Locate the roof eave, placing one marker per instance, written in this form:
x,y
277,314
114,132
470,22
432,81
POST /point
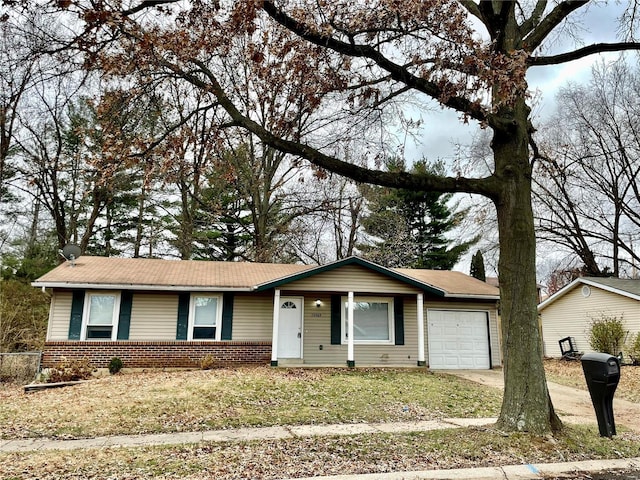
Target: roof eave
x,y
586,281
120,286
469,296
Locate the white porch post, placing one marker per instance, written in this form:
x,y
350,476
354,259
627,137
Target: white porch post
x,y
276,321
421,359
351,362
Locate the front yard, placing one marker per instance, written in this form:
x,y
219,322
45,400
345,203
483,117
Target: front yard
x,y
155,402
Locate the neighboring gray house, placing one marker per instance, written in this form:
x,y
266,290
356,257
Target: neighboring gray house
x,y
164,313
570,311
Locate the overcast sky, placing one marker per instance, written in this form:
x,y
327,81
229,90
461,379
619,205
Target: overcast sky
x,y
443,129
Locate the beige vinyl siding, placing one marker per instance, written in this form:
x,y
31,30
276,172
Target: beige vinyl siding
x,y
345,278
59,315
154,316
571,315
476,307
252,317
317,332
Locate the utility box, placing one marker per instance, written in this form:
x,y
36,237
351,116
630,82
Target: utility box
x,y
602,373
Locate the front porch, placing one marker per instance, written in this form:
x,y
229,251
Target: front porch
x,y
347,329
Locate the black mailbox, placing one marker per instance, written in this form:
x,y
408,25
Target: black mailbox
x,y
602,372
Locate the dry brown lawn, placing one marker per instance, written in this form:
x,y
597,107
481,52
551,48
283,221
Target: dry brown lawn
x,y
310,457
570,373
161,401
158,402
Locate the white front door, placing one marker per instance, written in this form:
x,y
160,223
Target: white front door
x,y
290,328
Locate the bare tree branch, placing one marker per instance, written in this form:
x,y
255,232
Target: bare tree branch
x,y
397,72
146,4
534,20
551,21
483,186
583,52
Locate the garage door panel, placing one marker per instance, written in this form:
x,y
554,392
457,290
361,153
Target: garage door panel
x,y
458,339
466,362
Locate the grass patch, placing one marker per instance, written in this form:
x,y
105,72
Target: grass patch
x,y
570,373
302,457
155,402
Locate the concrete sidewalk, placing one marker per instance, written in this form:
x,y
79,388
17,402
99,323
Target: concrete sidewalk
x,y
508,472
238,435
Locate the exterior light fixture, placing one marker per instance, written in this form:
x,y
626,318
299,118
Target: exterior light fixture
x,y
318,303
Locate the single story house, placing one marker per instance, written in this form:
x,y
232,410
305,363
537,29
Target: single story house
x,y
570,311
170,313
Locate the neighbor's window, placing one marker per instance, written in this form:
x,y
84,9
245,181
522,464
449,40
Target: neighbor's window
x,y
205,317
372,320
101,316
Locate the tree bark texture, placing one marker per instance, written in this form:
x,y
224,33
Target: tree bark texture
x,y
526,404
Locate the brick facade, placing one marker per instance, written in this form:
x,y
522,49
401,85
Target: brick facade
x,y
151,354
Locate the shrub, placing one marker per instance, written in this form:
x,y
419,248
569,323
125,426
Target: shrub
x,y
115,365
70,371
208,362
633,348
19,367
606,334
24,311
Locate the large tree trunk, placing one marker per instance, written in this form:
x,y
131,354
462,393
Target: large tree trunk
x,y
526,404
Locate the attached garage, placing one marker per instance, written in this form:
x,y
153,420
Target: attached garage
x,y
458,339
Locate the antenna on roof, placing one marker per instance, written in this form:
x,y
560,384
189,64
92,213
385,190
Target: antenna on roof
x,y
71,252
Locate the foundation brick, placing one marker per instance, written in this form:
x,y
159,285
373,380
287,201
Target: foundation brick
x,y
178,354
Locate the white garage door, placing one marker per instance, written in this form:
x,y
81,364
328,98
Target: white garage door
x,y
458,340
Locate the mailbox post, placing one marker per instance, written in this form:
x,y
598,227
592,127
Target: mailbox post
x,y
602,373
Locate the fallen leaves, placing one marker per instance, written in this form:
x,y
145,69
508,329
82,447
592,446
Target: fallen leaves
x,y
307,457
570,373
156,401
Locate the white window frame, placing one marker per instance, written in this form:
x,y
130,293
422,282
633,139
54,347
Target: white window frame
x,y
390,313
86,311
192,316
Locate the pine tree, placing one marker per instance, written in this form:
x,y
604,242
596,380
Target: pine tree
x,y
477,266
411,226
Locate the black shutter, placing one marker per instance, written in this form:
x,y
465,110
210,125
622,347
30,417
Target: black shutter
x,y
336,319
227,316
124,318
398,319
183,316
75,321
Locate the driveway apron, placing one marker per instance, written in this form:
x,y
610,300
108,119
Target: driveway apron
x,y
573,405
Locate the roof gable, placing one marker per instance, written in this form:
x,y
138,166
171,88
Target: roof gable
x,y
625,287
352,261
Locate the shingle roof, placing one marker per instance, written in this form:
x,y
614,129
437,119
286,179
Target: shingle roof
x,y
165,273
623,284
111,272
453,283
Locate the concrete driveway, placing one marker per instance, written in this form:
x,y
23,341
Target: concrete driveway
x,y
572,405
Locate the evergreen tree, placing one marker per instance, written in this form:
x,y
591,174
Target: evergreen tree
x,y
411,226
222,222
477,266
